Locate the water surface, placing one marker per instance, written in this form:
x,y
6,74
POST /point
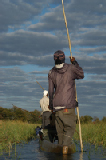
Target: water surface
x,y
31,151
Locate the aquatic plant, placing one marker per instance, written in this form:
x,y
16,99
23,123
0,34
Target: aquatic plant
x,y
93,133
15,132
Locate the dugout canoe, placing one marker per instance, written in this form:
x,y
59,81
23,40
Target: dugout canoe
x,y
47,146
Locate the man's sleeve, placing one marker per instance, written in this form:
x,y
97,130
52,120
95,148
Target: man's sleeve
x,y
50,90
78,71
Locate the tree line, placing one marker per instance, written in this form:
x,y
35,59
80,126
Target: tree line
x,y
16,113
88,119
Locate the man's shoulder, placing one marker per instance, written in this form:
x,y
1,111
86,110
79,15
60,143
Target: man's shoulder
x,y
69,65
45,97
41,99
66,64
51,71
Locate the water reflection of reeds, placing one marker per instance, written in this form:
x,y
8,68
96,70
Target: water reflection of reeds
x,y
32,151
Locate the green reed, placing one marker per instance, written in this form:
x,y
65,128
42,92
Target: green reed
x,y
92,133
13,132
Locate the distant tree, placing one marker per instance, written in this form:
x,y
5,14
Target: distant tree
x,y
16,113
86,119
20,114
35,116
5,114
82,119
96,119
104,119
1,116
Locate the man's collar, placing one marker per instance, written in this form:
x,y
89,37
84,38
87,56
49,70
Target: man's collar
x,y
59,65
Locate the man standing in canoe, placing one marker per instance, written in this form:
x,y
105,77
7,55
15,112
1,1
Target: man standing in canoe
x,y
62,101
46,112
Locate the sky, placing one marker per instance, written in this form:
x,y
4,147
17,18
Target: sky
x,y
32,30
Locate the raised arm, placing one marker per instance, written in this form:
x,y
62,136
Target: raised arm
x,y
77,70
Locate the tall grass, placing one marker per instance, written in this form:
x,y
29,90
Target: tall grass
x,y
13,132
92,133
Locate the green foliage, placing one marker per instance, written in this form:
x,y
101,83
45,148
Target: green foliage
x,y
15,132
104,119
86,119
93,133
96,120
16,113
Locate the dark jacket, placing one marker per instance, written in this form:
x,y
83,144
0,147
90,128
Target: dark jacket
x,y
62,85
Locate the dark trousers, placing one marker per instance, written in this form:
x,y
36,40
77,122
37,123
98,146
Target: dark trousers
x,y
46,119
65,125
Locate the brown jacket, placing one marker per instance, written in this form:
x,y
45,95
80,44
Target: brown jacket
x,y
63,81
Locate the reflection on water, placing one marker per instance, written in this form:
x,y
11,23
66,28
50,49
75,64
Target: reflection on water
x,y
31,151
81,156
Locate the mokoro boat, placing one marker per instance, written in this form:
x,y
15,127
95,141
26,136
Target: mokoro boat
x,y
47,146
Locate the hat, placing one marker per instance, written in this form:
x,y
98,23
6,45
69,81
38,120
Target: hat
x,y
45,92
59,56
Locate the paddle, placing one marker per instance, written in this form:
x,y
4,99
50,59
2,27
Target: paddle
x,y
69,41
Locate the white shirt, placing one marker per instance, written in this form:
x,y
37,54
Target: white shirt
x,y
44,103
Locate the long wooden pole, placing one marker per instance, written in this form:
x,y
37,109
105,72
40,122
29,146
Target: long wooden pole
x,y
40,85
69,41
